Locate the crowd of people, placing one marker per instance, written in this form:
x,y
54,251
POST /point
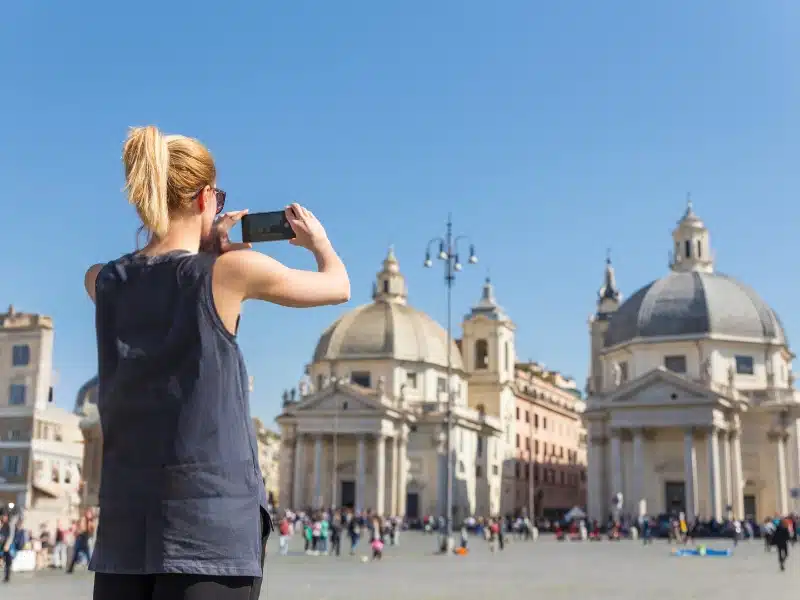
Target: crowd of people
x,y
58,546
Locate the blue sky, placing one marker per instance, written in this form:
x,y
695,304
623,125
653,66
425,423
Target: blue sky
x,y
551,130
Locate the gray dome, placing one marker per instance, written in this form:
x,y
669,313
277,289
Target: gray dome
x,y
387,330
695,303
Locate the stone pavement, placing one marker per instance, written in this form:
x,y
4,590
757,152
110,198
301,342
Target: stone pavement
x,y
545,569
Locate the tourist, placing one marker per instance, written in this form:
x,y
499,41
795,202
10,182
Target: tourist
x,y
182,498
780,539
284,530
335,528
81,547
354,532
60,547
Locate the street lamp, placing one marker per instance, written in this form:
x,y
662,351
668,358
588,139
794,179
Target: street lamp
x,y
448,254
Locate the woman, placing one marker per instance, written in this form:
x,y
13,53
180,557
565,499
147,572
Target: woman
x,y
182,496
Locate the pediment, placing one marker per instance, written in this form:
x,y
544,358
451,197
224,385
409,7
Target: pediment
x,y
341,398
660,387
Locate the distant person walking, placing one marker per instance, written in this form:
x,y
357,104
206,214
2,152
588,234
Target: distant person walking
x,y
780,538
183,510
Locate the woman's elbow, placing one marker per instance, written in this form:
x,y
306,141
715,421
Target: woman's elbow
x,y
343,293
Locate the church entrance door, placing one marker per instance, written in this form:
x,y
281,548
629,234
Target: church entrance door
x,y
348,494
675,497
412,505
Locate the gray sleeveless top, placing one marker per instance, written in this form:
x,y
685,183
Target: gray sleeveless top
x,y
181,490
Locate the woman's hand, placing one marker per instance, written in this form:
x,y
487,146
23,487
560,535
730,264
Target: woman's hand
x,y
309,232
219,241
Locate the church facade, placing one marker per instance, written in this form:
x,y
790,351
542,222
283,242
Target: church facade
x,y
692,406
367,428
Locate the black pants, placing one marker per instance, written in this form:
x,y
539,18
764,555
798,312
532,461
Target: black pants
x,y
109,586
783,552
7,560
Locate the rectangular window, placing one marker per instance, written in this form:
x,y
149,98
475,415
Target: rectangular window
x,y
516,470
361,378
527,443
21,355
495,470
441,385
536,446
480,446
12,465
15,435
16,394
744,365
411,380
517,440
527,416
478,472
536,421
544,422
518,413
676,363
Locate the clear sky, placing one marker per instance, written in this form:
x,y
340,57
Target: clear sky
x,y
551,130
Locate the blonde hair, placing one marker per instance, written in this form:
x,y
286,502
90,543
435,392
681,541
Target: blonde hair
x,y
163,174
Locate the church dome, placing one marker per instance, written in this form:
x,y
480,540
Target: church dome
x,y
694,300
387,328
695,303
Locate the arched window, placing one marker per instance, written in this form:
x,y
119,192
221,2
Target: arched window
x,y
688,245
481,354
699,248
507,357
385,286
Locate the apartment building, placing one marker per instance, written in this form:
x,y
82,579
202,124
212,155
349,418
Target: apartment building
x,y
40,444
550,469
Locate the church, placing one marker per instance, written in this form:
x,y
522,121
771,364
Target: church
x,y
692,405
366,428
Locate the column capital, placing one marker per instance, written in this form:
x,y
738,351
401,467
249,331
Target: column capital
x,y
777,436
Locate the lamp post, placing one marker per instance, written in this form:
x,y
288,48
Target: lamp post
x,y
448,254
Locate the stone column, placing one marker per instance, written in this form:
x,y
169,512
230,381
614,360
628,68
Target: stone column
x,y
779,441
727,471
393,484
690,474
597,502
794,478
616,466
737,475
402,475
639,492
317,500
714,487
360,474
298,501
380,475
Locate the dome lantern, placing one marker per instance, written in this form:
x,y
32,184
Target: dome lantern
x,y
692,247
390,284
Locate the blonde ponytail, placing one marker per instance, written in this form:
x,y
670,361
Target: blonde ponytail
x,y
146,159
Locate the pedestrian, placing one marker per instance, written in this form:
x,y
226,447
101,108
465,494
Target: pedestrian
x,y
283,540
780,538
8,548
182,501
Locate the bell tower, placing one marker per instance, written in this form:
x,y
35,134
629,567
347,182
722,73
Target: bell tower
x,y
488,344
691,244
608,301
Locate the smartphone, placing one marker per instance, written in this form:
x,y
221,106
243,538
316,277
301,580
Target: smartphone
x,y
266,227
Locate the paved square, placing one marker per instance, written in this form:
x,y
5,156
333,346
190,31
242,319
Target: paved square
x,y
545,569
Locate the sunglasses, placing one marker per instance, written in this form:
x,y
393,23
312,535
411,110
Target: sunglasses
x,y
219,195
